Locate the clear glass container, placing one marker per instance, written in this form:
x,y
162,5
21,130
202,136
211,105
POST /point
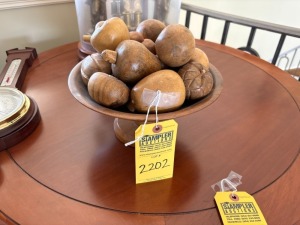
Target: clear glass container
x,y
89,12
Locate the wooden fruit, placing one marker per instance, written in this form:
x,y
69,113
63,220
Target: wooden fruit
x,y
198,81
109,34
133,61
172,92
108,90
93,63
200,57
150,45
150,28
175,45
136,36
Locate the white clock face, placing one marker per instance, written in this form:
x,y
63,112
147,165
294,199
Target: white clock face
x,y
11,102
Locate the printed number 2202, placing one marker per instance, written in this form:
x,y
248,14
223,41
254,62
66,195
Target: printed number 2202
x,y
154,166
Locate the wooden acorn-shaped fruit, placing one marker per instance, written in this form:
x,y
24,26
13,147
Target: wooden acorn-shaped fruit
x,y
93,63
108,90
109,34
131,61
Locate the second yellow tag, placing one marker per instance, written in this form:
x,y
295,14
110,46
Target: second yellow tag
x,y
155,151
239,208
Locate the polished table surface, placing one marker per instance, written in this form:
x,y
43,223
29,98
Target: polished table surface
x,y
73,170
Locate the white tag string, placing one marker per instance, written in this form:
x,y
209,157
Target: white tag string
x,y
157,99
229,183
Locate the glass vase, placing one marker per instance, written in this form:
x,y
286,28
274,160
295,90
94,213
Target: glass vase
x,y
90,12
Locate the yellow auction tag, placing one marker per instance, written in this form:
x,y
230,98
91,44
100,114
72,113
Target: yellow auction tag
x,y
239,208
155,151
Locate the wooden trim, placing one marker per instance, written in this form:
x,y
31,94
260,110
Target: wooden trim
x,y
11,4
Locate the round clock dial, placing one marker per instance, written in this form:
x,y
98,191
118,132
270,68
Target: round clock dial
x,y
13,105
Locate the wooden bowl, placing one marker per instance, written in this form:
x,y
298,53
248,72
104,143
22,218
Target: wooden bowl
x,y
126,122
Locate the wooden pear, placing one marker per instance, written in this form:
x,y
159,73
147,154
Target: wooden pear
x,y
131,61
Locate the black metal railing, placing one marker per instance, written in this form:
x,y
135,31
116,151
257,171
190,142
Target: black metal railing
x,y
254,25
290,61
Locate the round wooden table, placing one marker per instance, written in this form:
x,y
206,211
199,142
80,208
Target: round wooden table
x,y
73,170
